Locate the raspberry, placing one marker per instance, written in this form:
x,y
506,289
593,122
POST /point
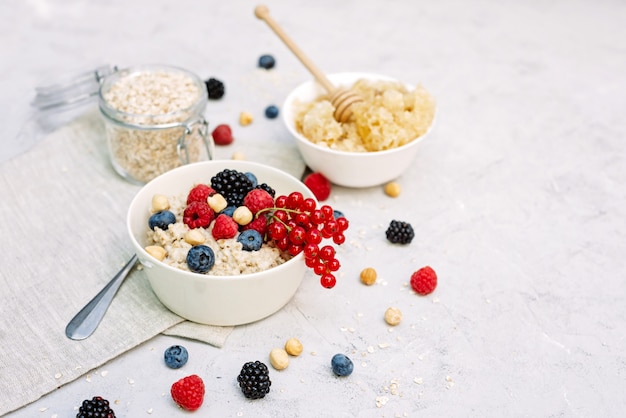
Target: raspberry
x,y
222,135
188,392
97,407
319,185
198,215
258,199
424,280
224,227
200,193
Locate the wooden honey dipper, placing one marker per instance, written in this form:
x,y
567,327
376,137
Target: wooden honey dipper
x,y
342,99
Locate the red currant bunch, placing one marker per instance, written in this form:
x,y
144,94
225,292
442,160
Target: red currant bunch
x,y
297,225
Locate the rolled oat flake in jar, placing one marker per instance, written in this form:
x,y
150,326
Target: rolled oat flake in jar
x,y
154,120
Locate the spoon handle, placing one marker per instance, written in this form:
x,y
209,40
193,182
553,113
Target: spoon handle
x,y
263,13
86,321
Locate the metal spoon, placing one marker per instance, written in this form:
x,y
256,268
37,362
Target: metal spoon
x,y
87,320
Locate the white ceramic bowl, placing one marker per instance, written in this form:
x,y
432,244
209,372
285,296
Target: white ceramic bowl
x,y
202,298
350,169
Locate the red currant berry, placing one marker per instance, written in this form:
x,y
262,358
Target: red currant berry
x,y
319,268
296,235
281,215
327,211
342,224
294,249
339,238
302,219
311,251
328,281
310,262
294,200
313,236
283,243
308,205
333,265
277,230
281,201
326,234
291,224
317,217
327,253
330,227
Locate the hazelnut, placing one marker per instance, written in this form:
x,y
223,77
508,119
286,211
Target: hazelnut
x,y
368,276
293,346
157,252
279,358
194,237
159,203
217,202
245,118
393,316
392,189
242,215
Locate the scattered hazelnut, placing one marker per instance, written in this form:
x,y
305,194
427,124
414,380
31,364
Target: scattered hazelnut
x,y
217,202
238,156
392,189
245,118
368,276
157,252
279,358
194,237
293,346
159,203
242,215
393,316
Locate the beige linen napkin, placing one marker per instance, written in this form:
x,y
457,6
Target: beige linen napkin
x,y
62,220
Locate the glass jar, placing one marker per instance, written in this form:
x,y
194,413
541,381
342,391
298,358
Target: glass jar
x,y
154,120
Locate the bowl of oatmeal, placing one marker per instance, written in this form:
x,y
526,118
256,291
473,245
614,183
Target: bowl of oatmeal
x,y
240,286
376,145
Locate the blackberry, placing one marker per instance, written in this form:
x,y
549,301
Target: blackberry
x,y
215,88
95,408
267,188
400,232
254,380
233,185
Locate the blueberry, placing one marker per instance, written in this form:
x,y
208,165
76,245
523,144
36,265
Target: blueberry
x,y
338,214
250,239
161,220
271,112
200,258
229,210
342,365
176,356
252,179
267,61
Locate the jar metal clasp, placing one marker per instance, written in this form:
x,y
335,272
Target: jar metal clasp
x,y
203,130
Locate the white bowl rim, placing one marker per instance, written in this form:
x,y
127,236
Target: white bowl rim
x,y
199,276
356,76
